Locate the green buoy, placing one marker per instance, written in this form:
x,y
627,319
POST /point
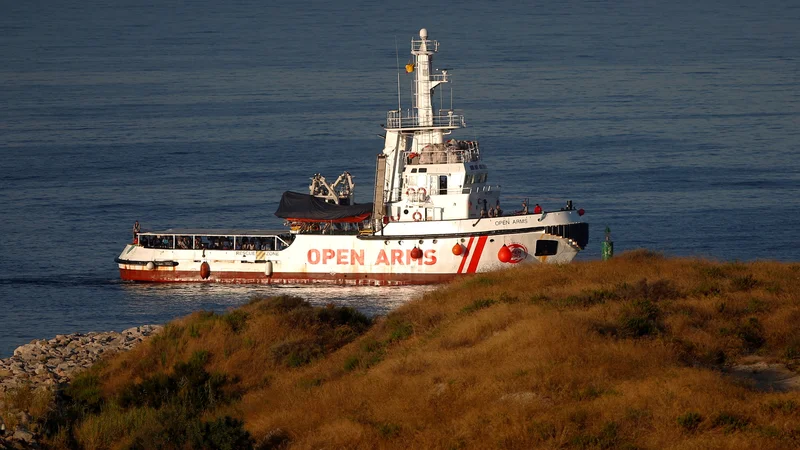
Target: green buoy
x,y
607,249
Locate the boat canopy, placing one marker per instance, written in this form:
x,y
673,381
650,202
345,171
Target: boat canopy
x,y
298,207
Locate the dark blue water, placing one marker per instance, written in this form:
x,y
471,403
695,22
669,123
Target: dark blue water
x,y
677,124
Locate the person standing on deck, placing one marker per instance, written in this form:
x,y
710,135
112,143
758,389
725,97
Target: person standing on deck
x,y
135,231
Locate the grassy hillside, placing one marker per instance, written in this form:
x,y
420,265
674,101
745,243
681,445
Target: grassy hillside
x,y
631,353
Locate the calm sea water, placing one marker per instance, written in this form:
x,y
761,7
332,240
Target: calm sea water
x,y
677,124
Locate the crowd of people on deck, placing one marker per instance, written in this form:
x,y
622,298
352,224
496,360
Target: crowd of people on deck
x,y
210,242
328,227
496,211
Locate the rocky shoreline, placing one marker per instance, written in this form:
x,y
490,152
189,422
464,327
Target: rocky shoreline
x,y
49,364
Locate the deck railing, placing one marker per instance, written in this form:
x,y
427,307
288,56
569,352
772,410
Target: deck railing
x,y
430,45
443,157
408,119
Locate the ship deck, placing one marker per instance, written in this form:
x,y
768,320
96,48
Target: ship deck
x,y
214,232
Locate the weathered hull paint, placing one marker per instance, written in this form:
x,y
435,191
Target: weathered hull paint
x,y
387,279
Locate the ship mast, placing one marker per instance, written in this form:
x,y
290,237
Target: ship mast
x,y
424,83
420,123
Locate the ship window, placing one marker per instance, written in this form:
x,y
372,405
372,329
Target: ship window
x,y
423,170
546,247
157,241
482,178
442,184
413,170
183,242
217,242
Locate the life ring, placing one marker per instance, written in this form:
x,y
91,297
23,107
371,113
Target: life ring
x,y
417,216
410,192
422,193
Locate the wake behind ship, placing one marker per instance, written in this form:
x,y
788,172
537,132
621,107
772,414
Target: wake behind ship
x,y
434,217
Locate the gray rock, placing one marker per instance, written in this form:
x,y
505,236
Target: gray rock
x,y
21,434
46,363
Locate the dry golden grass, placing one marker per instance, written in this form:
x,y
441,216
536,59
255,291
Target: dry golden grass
x,y
37,403
629,353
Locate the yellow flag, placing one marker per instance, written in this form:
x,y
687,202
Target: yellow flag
x,y
409,68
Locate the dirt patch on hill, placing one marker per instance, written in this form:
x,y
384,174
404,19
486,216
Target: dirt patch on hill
x,y
766,376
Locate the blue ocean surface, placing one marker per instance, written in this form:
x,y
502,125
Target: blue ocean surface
x,y
676,124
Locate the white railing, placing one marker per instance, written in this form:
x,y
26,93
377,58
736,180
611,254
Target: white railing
x,y
487,188
430,45
396,119
443,157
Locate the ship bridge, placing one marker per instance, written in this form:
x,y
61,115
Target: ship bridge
x,y
450,152
420,175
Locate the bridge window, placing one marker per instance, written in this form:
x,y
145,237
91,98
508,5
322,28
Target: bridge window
x,y
442,184
546,247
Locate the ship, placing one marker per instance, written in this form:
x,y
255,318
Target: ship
x,y
434,216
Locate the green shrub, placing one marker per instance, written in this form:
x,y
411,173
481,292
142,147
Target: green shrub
x,y
538,299
607,438
755,306
588,298
792,350
351,363
743,283
690,421
477,305
280,303
543,431
388,430
189,387
296,353
730,422
751,333
642,290
236,320
342,316
371,353
84,392
370,344
482,281
225,433
714,271
400,330
509,299
707,289
639,318
589,393
782,406
308,383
